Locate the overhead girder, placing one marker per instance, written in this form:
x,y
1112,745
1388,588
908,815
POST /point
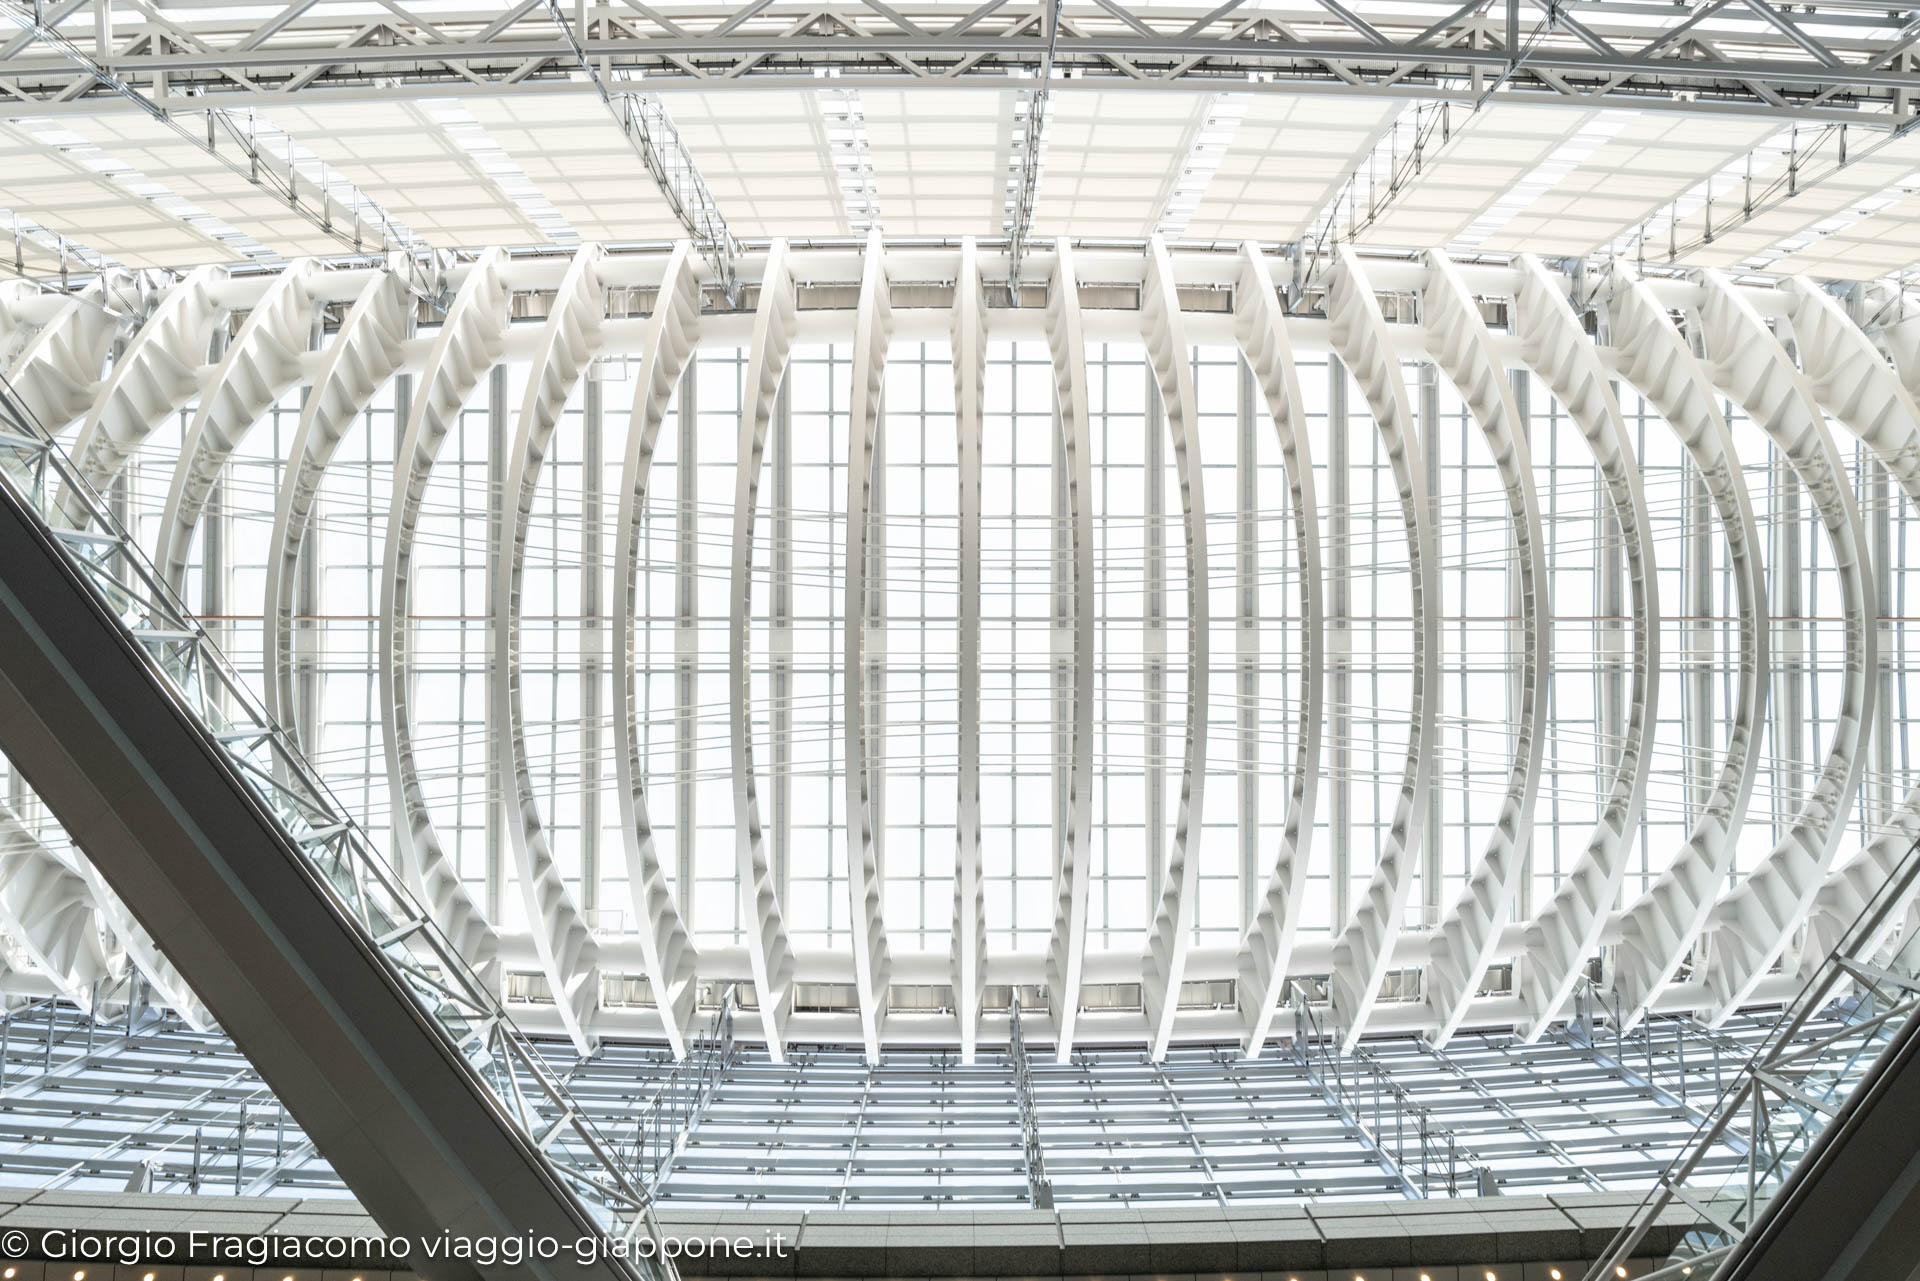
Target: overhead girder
x,y
261,364
157,374
1170,937
1463,350
568,953
765,928
1664,924
363,358
1855,384
472,335
1567,929
1073,860
1363,952
969,940
666,946
872,335
1260,325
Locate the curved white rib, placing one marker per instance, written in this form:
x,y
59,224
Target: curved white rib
x,y
767,947
260,365
57,372
1667,920
872,332
48,910
1567,930
664,942
164,984
1261,327
969,893
157,374
568,953
1462,348
1364,951
1163,967
472,333
1067,941
364,355
1757,918
1878,406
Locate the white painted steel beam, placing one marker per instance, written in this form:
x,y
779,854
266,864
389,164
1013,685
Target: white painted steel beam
x,y
1073,867
48,910
667,947
1163,966
969,940
1468,933
57,373
1363,953
762,922
568,953
1266,949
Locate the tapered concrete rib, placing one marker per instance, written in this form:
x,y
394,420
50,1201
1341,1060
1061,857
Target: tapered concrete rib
x,y
365,354
1364,950
1163,967
1855,384
664,942
1067,941
568,953
765,928
1261,327
1757,918
157,374
1463,349
261,364
1567,931
192,849
472,334
969,893
1664,923
872,332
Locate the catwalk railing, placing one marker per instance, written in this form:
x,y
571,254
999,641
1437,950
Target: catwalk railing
x,y
1422,1155
1787,1092
1039,1188
369,891
668,1117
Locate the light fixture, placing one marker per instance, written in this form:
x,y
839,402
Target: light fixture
x,y
8,1274
148,1277
1619,1271
1552,1272
1491,1277
80,1276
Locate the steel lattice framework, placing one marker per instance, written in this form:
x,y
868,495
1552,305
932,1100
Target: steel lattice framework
x,y
1785,368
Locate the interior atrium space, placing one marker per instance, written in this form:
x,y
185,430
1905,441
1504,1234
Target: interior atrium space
x,y
1261,641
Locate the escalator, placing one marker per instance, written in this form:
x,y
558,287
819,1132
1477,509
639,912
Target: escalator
x,y
223,841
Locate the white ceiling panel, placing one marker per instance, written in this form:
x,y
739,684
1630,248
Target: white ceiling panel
x,y
1832,198
1112,159
400,157
1488,154
1284,163
939,158
569,145
764,155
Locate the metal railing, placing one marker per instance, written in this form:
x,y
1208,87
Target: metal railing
x,y
1422,1155
368,890
1039,1187
668,1117
1785,1094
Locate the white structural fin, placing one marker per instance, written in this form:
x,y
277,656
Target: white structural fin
x,y
1462,348
48,910
155,376
363,357
1163,967
1073,867
1260,324
1568,929
664,942
568,953
969,893
472,334
261,364
1852,379
1661,926
872,334
164,984
768,950
1364,950
55,376
1757,918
